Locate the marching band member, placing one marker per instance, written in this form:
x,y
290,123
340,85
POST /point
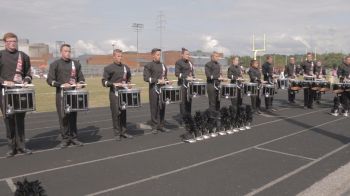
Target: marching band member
x,y
344,77
267,70
184,71
234,73
255,77
116,76
214,77
155,73
14,69
63,74
307,69
320,73
290,71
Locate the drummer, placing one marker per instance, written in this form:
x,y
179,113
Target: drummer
x,y
234,73
344,77
267,70
65,73
117,76
291,72
255,77
214,77
155,73
185,73
14,69
320,73
307,69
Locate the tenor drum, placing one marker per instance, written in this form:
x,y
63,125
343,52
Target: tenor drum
x,y
337,88
250,89
75,100
129,98
19,100
197,89
268,90
295,85
171,94
229,91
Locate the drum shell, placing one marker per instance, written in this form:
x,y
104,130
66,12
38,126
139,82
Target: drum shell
x,y
283,83
171,94
228,91
18,100
75,100
250,89
129,98
197,89
268,90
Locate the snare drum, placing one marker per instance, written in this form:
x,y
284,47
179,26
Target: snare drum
x,y
171,94
75,100
337,88
19,100
268,90
283,83
129,98
250,89
229,91
197,89
316,85
346,86
312,78
307,83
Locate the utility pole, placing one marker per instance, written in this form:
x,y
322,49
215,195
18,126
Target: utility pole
x,y
161,26
137,28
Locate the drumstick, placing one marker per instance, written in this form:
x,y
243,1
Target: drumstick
x,y
19,85
73,85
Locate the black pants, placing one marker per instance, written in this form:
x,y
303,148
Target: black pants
x,y
291,95
118,115
318,96
345,98
308,97
268,102
213,96
186,104
256,102
236,102
14,128
157,107
68,121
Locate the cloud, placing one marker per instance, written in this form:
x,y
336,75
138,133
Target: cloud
x,y
103,47
210,44
302,40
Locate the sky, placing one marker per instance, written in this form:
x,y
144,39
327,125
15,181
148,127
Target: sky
x,y
92,27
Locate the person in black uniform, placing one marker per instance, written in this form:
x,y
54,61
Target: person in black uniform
x,y
320,73
155,73
63,73
344,77
234,72
116,76
255,77
14,69
267,70
185,73
307,70
291,71
214,77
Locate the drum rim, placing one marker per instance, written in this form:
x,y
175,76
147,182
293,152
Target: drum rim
x,y
198,83
170,87
229,85
268,85
19,90
250,83
75,91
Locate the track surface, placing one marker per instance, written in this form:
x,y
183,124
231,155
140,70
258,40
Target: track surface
x,y
284,153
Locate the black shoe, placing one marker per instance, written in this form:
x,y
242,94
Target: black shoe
x,y
273,110
64,144
154,131
125,135
305,107
118,138
11,153
258,112
310,107
24,151
318,102
164,130
77,142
